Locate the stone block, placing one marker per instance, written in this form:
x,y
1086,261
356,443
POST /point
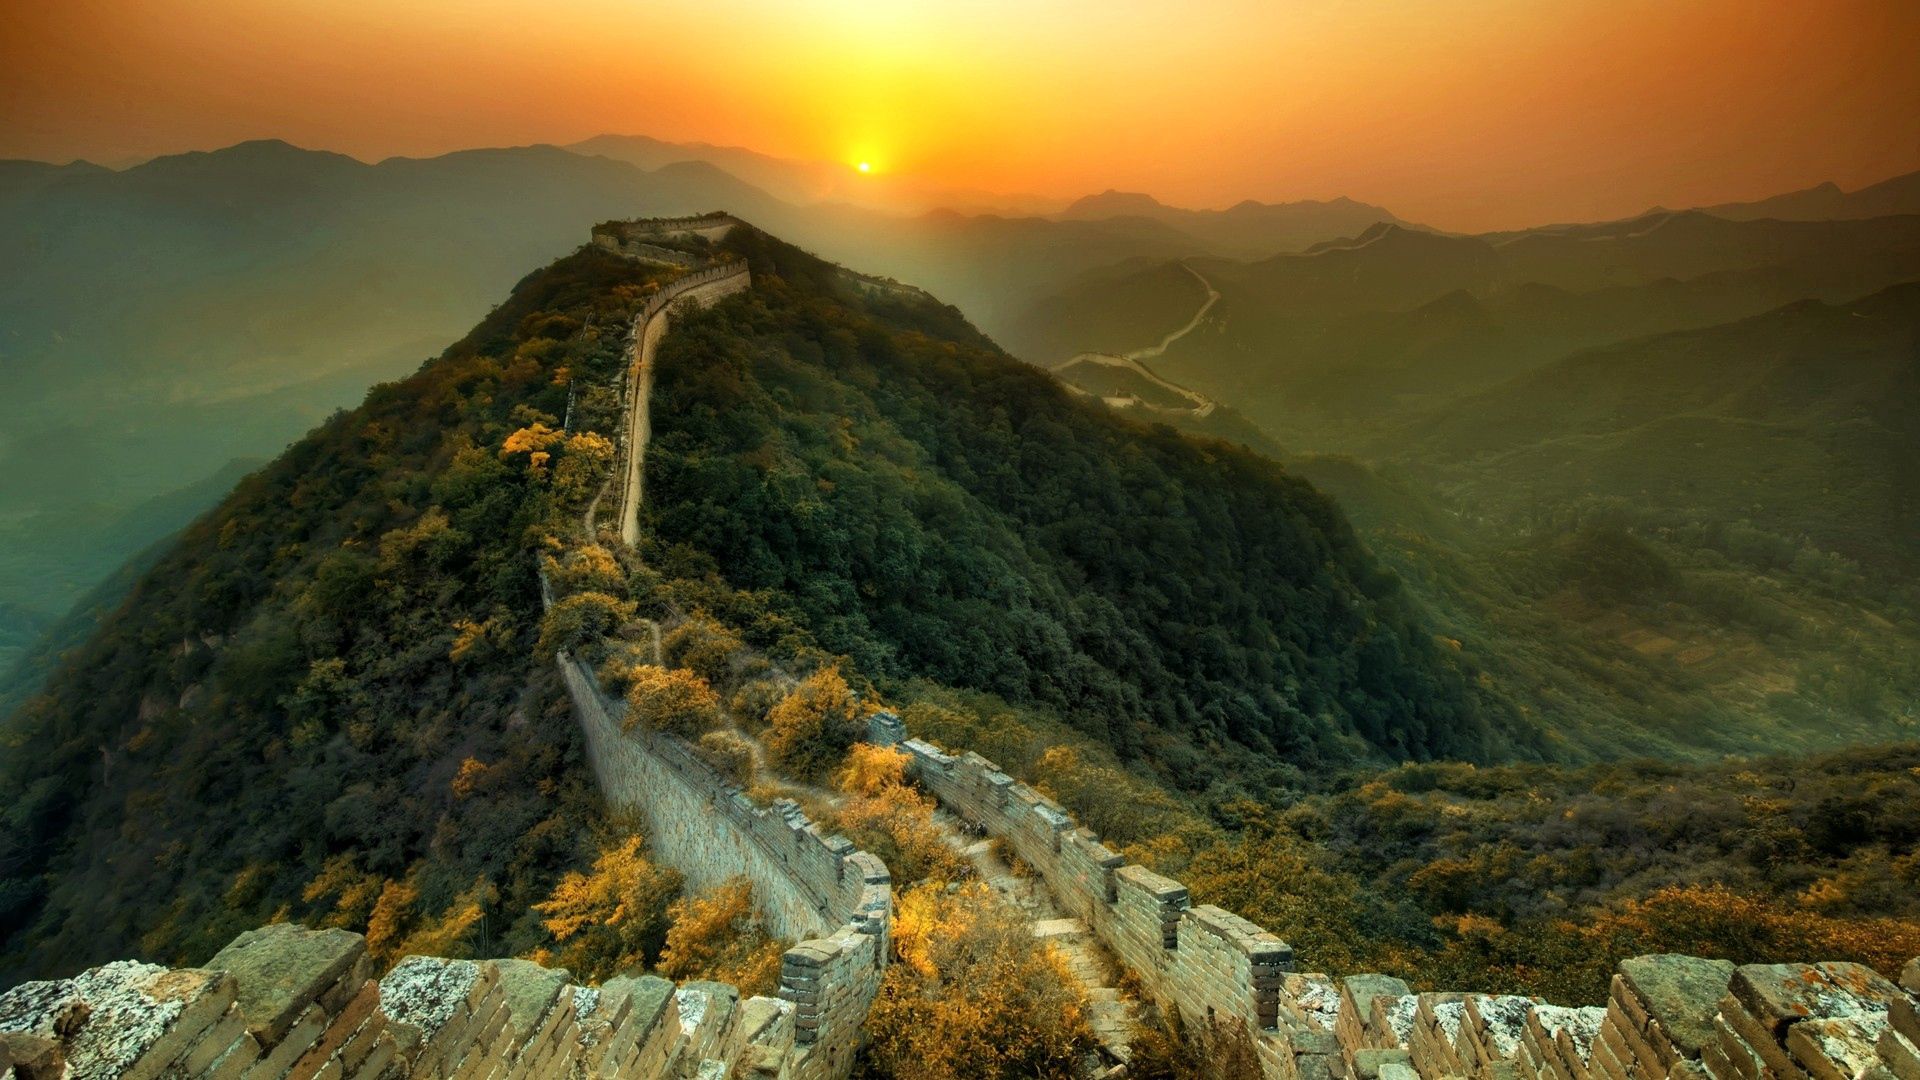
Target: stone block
x,y
1839,1048
1900,1054
1904,1015
121,1019
1680,993
1755,1036
1501,1022
1368,1063
1780,995
279,970
530,994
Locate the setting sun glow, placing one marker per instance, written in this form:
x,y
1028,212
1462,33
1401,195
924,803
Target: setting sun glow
x,y
1494,113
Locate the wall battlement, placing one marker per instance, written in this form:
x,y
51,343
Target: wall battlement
x,y
287,1003
630,237
818,890
702,287
1668,1017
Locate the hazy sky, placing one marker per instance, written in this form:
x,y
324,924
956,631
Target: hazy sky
x,y
1460,113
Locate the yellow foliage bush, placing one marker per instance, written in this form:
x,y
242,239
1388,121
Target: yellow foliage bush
x,y
718,936
729,753
972,995
612,919
704,646
885,816
581,619
813,726
673,700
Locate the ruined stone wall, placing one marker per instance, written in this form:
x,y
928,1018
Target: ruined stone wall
x,y
819,890
287,1003
1668,1017
618,235
702,287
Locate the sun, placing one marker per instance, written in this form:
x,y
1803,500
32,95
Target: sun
x,y
865,166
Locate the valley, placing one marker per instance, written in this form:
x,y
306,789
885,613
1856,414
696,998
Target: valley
x,y
1634,531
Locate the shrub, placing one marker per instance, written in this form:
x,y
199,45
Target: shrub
x,y
893,821
581,619
729,753
718,936
814,725
704,646
612,919
586,568
972,994
755,701
671,700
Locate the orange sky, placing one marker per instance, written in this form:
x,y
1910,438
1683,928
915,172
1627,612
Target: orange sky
x,y
1464,114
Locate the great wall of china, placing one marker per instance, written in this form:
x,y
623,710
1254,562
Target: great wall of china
x,y
288,1003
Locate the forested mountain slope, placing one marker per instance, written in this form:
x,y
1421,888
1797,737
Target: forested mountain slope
x,y
322,703
1801,420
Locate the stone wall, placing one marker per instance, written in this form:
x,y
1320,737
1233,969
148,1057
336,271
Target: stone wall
x,y
288,1003
701,287
618,236
1667,1018
818,890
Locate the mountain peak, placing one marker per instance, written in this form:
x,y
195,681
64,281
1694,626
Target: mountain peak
x,y
1114,203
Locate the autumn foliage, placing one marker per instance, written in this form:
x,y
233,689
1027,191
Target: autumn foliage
x,y
972,995
672,700
813,726
612,919
885,816
718,936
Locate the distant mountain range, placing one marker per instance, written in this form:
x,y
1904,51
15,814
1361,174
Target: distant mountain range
x,y
1246,229
159,320
1900,195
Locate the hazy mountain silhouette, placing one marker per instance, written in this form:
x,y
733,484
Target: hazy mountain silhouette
x,y
1825,202
1246,229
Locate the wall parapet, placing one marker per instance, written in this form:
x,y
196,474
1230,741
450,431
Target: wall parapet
x,y
834,899
285,1002
650,324
1667,1017
619,236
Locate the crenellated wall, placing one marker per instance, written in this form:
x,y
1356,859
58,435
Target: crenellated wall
x,y
625,237
1205,961
818,890
288,1003
1668,1018
701,287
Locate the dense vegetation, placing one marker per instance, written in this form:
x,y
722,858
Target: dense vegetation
x,y
328,700
1525,878
1653,476
323,703
928,507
